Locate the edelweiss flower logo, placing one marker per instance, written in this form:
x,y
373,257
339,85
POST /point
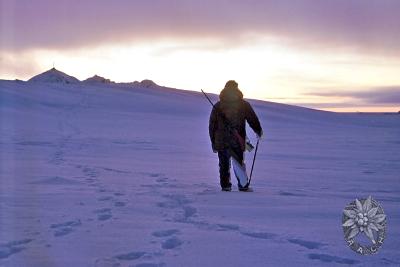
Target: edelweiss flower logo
x,y
364,216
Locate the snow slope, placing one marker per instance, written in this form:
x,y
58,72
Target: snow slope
x,y
123,175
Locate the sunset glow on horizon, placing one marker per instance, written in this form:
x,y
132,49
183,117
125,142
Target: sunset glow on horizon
x,y
341,69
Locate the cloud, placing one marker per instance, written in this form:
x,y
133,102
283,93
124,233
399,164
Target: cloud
x,y
386,95
337,105
22,66
352,24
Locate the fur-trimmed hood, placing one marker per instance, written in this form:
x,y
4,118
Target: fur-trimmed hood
x,y
231,92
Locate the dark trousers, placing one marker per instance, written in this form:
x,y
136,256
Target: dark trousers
x,y
224,157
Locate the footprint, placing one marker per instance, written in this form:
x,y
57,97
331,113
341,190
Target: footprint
x,y
306,244
369,172
179,203
165,233
65,228
107,263
102,210
228,227
261,235
171,243
162,180
119,204
35,143
63,231
173,201
150,265
390,262
103,214
330,258
189,211
104,217
56,180
91,172
185,215
12,247
8,251
155,174
116,171
284,193
68,223
106,198
130,256
207,192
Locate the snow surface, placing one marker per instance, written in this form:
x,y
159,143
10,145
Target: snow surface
x,y
123,175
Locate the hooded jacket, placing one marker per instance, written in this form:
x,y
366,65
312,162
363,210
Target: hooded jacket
x,y
237,111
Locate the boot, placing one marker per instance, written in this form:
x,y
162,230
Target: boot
x,y
245,188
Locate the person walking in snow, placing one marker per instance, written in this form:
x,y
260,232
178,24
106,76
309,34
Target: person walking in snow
x,y
227,129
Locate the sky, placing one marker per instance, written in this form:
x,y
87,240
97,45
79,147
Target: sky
x,y
340,55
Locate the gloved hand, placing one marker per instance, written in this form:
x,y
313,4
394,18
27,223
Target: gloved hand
x,y
249,147
260,135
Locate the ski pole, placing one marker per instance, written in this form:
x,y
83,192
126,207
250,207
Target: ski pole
x,y
254,159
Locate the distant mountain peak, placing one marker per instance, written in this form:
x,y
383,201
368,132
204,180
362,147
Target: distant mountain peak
x,y
148,83
98,79
54,76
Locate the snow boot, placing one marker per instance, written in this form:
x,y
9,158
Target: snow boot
x,y
245,189
227,189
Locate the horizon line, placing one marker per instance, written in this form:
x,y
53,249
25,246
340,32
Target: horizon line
x,y
321,106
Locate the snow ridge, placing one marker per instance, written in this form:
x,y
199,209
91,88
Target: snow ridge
x,y
54,76
97,79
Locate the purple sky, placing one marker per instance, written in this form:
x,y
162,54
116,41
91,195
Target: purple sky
x,y
389,95
356,41
370,25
